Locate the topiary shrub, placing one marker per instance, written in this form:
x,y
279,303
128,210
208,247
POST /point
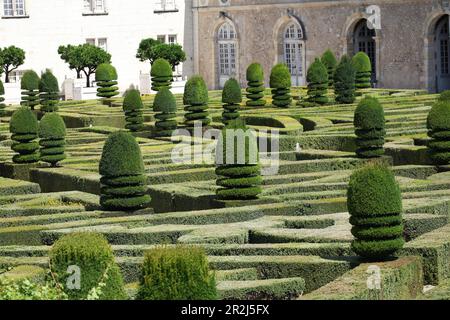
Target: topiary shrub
x,y
195,99
317,78
344,81
237,163
438,124
363,67
231,98
24,129
2,99
92,254
375,205
280,82
329,61
444,96
52,134
165,107
123,183
255,89
106,78
370,130
49,92
132,106
176,273
30,89
162,74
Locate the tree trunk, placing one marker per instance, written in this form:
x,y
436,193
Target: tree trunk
x,y
78,74
88,82
7,77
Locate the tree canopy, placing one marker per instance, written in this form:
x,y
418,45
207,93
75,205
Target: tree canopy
x,y
151,49
10,59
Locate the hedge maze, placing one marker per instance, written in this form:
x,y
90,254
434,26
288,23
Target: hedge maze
x,y
290,238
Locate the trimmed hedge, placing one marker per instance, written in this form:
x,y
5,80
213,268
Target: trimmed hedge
x,y
255,88
30,89
329,61
52,134
344,81
363,67
24,129
2,99
123,184
231,98
49,92
240,180
106,78
438,124
370,130
92,254
165,106
317,78
280,82
375,205
195,99
162,75
176,273
132,106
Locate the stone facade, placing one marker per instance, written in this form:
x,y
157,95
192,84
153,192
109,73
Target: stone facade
x,y
404,45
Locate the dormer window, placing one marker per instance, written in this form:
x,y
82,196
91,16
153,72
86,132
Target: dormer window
x,y
94,7
163,6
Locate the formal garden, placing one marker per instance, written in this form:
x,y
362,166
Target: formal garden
x,y
93,205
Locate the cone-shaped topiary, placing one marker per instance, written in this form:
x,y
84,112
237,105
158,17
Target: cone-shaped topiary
x,y
30,89
231,98
176,273
195,100
2,99
255,89
123,183
280,82
89,256
375,205
106,78
52,134
370,130
162,75
329,61
132,106
24,129
317,78
49,92
165,107
439,130
344,81
237,163
363,67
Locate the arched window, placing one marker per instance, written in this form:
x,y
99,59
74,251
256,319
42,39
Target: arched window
x,y
364,40
442,47
227,52
294,52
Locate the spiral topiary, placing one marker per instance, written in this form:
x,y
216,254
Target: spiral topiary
x,y
24,129
231,98
195,99
344,81
2,99
255,89
329,61
162,75
375,205
280,82
123,183
52,134
106,78
370,130
91,255
317,78
132,106
237,164
438,124
49,92
30,89
165,107
363,67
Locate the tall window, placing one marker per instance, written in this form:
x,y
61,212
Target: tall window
x,y
227,46
294,52
166,6
172,38
12,8
100,42
365,41
94,6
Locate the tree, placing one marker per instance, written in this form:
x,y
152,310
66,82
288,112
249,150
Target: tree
x,y
231,99
106,78
317,78
11,58
151,49
330,62
84,58
132,106
52,138
255,89
195,99
165,106
49,92
344,81
280,82
24,129
438,124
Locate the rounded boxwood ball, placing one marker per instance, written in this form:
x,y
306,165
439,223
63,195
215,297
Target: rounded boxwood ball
x,y
231,93
195,91
23,121
105,72
30,81
165,101
255,73
439,116
161,68
52,126
132,100
280,77
369,114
